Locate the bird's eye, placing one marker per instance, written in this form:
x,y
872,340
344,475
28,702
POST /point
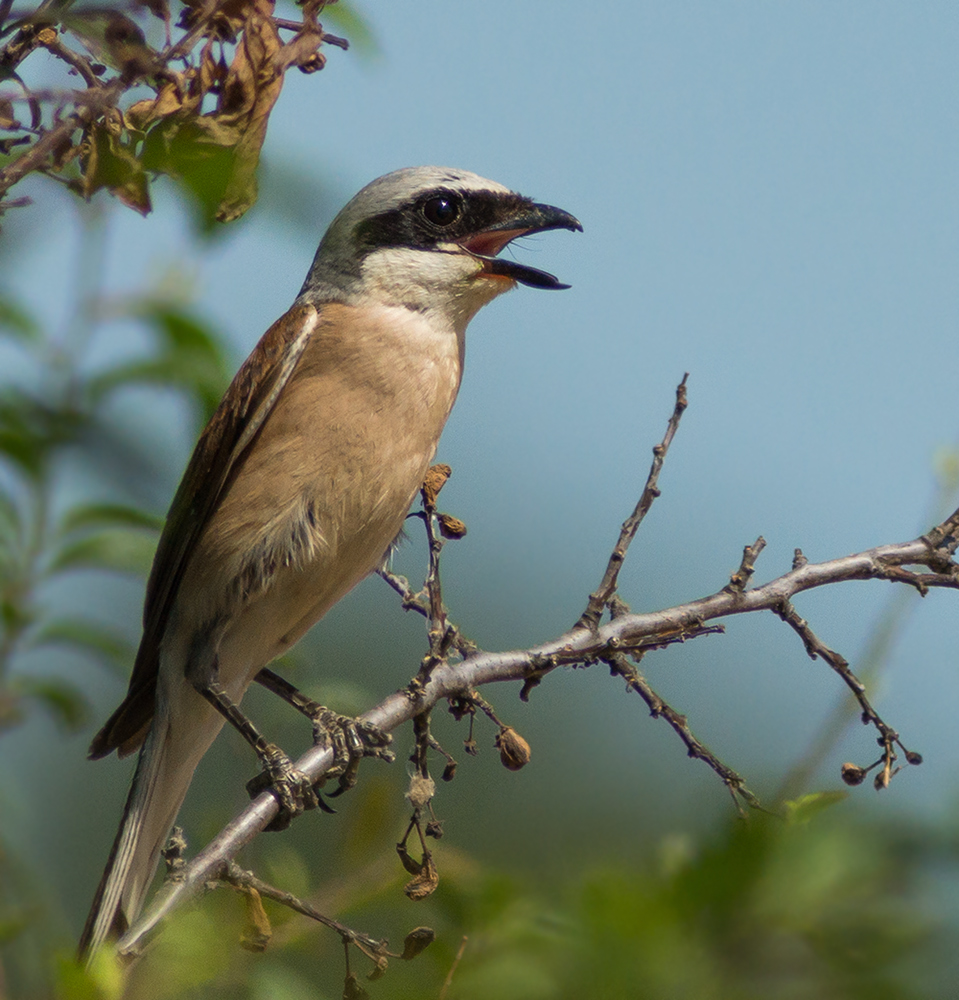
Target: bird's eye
x,y
443,210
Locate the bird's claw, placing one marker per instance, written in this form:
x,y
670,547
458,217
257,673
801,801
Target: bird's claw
x,y
292,788
351,740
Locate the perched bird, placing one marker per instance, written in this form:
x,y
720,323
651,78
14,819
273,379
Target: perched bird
x,y
302,479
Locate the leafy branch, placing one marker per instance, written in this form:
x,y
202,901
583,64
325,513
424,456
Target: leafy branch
x,y
213,89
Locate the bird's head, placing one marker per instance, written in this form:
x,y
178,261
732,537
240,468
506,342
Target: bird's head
x,y
427,238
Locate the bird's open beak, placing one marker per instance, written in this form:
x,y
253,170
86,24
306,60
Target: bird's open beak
x,y
532,218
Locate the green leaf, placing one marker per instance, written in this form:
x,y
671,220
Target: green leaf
x,y
30,430
801,810
14,616
90,637
346,18
60,698
199,152
120,550
103,979
11,524
16,321
11,925
189,357
111,163
109,514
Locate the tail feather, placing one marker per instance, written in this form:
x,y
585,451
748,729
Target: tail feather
x,y
159,786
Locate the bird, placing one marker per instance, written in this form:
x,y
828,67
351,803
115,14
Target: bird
x,y
300,483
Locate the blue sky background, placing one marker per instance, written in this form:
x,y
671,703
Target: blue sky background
x,y
769,196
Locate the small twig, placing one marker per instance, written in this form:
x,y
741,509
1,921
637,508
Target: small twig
x,y
419,603
739,579
815,647
288,25
411,601
599,599
456,961
51,42
888,737
372,947
620,666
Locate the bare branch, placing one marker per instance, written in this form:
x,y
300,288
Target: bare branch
x,y
658,709
739,579
600,598
625,632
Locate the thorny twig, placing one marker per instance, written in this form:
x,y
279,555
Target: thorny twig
x,y
600,598
376,950
624,634
236,876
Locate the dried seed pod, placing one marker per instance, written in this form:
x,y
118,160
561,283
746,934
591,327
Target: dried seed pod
x,y
436,476
451,527
417,941
514,751
853,774
421,791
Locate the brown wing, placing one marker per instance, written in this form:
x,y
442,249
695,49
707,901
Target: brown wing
x,y
216,459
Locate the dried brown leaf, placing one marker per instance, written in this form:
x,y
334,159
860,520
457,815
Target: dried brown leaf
x,y
424,883
224,19
352,989
36,112
212,71
409,862
258,930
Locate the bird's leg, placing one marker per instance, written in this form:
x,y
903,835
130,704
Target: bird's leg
x,y
351,739
292,788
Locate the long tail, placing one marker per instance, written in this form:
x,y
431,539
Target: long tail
x,y
163,775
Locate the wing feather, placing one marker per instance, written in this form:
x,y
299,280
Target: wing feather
x,y
217,458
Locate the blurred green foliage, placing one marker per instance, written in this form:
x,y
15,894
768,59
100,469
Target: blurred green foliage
x,y
808,907
56,410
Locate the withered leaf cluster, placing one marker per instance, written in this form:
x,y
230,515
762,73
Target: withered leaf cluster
x,y
204,124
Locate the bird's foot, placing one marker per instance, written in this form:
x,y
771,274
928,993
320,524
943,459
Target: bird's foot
x,y
351,741
292,788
